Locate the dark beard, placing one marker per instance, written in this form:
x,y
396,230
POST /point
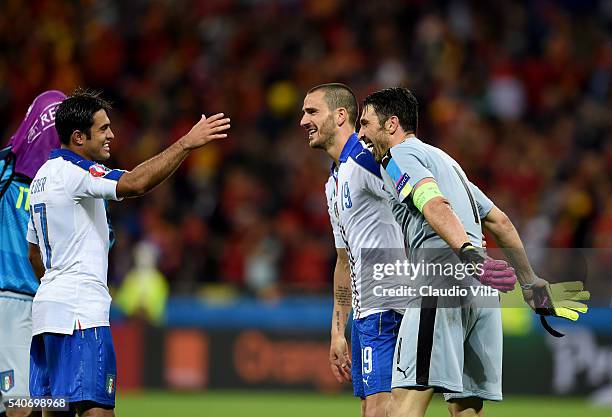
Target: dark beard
x,y
376,149
326,131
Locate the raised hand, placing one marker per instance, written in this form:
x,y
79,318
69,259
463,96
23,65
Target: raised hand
x,y
206,130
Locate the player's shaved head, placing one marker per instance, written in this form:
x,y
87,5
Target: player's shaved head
x,y
77,113
396,101
337,96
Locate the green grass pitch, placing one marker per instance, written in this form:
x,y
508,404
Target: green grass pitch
x,y
306,404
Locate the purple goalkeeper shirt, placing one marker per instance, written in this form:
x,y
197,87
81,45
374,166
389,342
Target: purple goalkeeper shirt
x,y
36,136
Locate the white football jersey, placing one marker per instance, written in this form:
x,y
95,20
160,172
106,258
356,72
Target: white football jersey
x,y
68,223
360,212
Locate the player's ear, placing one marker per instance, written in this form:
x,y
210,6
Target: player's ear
x,y
78,137
341,116
391,124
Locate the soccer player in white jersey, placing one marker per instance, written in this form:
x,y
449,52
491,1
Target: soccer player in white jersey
x,y
72,354
361,218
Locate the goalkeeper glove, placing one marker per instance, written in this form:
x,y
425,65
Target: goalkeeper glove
x,y
496,273
559,300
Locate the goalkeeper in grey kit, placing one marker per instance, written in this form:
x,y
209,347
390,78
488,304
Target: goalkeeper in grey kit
x,y
456,351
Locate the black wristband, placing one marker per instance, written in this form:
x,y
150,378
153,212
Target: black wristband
x,y
468,253
465,245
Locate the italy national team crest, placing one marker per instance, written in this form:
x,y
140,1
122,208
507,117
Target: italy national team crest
x,y
98,170
7,380
111,384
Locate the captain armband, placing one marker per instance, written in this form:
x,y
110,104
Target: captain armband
x,y
425,193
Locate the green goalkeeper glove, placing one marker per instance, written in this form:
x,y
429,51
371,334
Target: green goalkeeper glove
x,y
559,300
562,300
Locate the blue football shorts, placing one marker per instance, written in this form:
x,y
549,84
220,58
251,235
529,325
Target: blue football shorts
x,y
77,367
373,343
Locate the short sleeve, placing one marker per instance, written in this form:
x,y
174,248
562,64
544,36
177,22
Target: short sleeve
x,y
485,205
96,181
405,169
333,218
31,235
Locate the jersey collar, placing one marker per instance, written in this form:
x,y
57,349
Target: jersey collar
x,y
348,147
66,154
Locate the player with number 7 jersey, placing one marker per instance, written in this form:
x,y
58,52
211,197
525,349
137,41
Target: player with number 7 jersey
x,y
68,239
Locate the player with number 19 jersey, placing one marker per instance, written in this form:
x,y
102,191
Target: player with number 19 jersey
x,y
361,218
359,211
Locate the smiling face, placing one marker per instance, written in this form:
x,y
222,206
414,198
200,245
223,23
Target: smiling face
x,y
373,133
96,146
318,121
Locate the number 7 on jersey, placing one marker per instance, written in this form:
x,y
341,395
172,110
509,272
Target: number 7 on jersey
x,y
42,209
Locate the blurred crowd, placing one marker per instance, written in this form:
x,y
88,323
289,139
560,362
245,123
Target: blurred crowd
x,y
518,92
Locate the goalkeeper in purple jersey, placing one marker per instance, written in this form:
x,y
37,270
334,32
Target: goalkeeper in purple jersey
x,y
28,148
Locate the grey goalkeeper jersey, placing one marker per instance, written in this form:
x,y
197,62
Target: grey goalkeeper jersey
x,y
409,162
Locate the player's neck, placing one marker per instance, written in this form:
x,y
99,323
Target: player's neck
x,y
400,137
335,150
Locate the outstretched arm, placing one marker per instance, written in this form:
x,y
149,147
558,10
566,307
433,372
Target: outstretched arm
x,y
154,171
